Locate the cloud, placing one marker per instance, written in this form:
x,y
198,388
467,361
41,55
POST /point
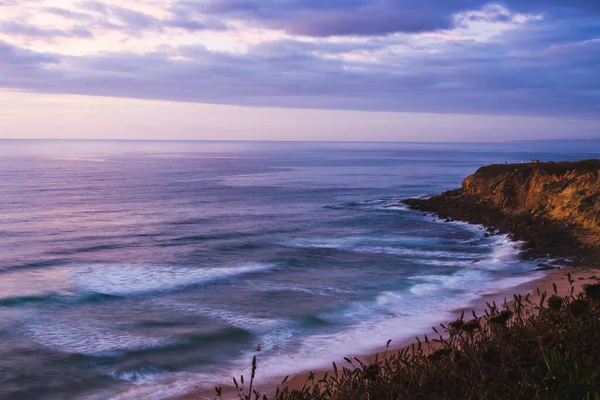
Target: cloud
x,y
328,18
290,74
14,57
323,18
464,56
113,17
32,31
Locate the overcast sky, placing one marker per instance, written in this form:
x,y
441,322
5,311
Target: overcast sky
x,y
417,70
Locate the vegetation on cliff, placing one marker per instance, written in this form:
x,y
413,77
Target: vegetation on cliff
x,y
527,350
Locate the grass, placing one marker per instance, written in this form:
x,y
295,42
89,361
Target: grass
x,y
548,349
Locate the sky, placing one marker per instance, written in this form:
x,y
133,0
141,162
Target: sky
x,y
384,70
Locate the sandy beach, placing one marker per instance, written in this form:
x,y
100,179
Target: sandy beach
x,y
581,275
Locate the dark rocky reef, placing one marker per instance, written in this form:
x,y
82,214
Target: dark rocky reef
x,y
553,207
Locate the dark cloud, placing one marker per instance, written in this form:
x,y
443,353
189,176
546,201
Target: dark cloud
x,y
321,18
328,18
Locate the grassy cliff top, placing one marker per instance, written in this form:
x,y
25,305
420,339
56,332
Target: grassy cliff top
x,y
552,168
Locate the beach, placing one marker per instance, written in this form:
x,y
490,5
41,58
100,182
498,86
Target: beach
x,y
548,205
581,276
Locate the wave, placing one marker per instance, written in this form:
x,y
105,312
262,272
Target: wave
x,y
311,290
471,283
89,339
140,376
398,315
98,339
489,253
167,385
378,204
317,351
20,300
131,280
394,315
353,242
107,282
416,247
236,319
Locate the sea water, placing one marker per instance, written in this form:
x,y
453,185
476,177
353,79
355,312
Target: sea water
x,y
149,269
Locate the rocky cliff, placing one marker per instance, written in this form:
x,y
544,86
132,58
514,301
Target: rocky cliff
x,y
554,207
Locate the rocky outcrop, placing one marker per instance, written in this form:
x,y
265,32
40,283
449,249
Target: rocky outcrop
x,y
554,207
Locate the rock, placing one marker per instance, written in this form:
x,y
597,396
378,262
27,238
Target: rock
x,y
552,207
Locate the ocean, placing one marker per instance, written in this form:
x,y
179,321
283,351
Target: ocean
x,y
144,270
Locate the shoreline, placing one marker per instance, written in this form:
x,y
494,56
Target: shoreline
x,y
526,202
580,274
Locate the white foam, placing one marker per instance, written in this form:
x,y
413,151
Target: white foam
x,y
89,339
241,320
141,376
325,243
470,282
127,279
505,249
393,315
276,338
359,241
318,351
417,252
395,208
398,315
409,314
321,291
400,246
451,263
423,289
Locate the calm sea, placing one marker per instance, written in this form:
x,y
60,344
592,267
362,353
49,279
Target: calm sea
x,y
140,270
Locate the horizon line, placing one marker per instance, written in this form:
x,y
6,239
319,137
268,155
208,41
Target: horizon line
x,y
294,141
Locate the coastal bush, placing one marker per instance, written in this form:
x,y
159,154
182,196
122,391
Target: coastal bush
x,y
547,349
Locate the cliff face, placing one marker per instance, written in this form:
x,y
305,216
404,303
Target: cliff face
x,y
565,192
555,207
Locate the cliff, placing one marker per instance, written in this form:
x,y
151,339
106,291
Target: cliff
x,y
554,207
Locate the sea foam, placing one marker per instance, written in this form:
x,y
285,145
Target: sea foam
x,y
131,280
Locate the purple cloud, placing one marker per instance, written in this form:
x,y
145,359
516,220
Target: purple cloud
x,y
322,18
32,31
550,67
14,57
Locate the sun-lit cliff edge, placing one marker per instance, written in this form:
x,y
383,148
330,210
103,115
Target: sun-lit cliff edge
x,y
554,207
